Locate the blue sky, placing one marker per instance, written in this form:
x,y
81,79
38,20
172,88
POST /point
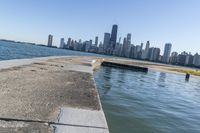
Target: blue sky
x,y
160,21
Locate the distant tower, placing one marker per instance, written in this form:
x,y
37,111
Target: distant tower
x,y
124,47
50,41
147,45
120,40
141,46
128,45
90,42
113,38
106,41
167,52
147,49
69,41
96,41
62,43
129,39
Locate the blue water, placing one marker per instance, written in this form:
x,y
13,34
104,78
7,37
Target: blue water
x,y
9,50
133,102
153,102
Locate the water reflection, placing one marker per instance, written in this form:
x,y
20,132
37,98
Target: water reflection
x,y
162,77
106,80
153,102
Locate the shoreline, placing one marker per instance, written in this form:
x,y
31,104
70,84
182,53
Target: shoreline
x,y
160,67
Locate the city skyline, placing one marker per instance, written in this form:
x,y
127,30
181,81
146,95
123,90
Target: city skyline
x,y
110,46
175,21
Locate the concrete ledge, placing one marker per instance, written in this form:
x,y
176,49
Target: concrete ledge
x,y
124,66
50,94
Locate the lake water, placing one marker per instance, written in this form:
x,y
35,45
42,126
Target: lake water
x,y
153,102
133,102
9,50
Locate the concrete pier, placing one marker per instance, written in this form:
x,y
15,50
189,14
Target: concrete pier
x,y
49,95
124,66
53,94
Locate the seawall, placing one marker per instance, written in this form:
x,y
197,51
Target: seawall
x,y
51,94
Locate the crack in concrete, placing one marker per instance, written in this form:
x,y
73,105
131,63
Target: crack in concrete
x,y
49,123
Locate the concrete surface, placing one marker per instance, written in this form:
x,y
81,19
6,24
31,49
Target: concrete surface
x,y
94,121
50,95
4,64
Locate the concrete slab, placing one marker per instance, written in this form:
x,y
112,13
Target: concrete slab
x,y
64,129
93,121
77,67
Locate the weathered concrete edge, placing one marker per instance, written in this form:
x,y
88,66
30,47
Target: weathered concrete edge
x,y
6,64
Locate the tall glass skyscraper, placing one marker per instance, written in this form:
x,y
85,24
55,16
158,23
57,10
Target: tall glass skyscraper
x,y
106,41
129,39
113,38
167,52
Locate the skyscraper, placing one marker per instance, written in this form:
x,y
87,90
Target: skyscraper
x,y
96,40
141,46
62,43
50,41
196,60
69,42
106,41
128,39
113,38
128,45
90,42
154,54
146,51
167,52
124,47
174,58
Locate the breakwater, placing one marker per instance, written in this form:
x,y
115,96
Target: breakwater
x,y
124,66
50,95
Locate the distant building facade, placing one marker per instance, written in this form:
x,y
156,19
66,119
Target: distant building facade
x,y
50,41
167,52
96,41
146,51
113,39
196,60
62,43
126,49
106,42
174,58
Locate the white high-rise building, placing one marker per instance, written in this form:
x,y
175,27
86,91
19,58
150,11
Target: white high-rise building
x,y
167,52
146,51
124,47
50,41
129,39
62,43
69,42
196,60
128,45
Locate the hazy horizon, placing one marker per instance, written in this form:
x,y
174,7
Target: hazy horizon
x,y
160,22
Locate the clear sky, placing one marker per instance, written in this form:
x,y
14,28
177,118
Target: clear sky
x,y
160,21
